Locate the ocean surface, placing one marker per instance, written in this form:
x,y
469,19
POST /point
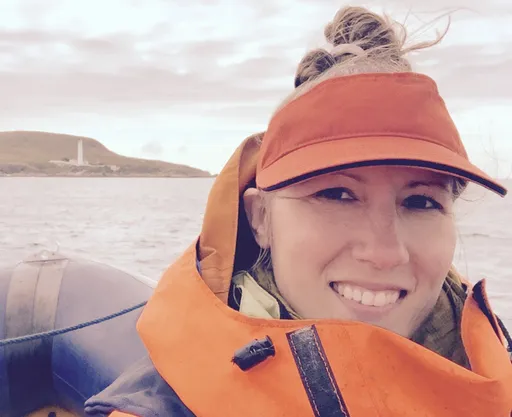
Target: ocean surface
x,y
142,225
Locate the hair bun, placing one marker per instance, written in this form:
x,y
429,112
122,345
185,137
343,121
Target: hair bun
x,y
357,25
362,41
315,62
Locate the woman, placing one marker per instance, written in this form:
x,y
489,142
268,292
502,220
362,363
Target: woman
x,y
321,283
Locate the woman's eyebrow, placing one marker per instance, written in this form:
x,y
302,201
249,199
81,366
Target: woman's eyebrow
x,y
429,183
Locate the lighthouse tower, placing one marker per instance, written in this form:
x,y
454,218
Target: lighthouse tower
x,y
80,156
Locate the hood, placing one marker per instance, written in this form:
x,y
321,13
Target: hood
x,y
225,226
192,337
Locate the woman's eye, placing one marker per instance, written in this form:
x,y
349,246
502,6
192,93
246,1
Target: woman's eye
x,y
421,202
335,194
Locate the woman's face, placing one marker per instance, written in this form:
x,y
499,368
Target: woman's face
x,y
371,244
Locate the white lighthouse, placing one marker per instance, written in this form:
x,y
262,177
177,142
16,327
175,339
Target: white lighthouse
x,y
80,156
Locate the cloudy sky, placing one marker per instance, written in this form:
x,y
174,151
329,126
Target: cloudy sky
x,y
186,81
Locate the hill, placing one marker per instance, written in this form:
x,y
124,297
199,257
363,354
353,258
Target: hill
x,y
25,153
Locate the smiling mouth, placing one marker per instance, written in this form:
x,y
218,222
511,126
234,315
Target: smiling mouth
x,y
366,297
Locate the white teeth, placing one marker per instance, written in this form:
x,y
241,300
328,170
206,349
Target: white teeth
x,y
392,297
365,296
347,292
357,295
368,297
380,299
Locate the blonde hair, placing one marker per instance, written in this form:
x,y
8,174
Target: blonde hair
x,y
362,42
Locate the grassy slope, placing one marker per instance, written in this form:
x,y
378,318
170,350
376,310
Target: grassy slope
x,y
34,150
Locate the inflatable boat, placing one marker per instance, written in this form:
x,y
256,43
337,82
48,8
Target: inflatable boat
x,y
67,331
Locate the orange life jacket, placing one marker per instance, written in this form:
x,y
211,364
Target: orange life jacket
x,y
304,368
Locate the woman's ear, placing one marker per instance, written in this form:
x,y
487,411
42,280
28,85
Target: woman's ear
x,y
257,215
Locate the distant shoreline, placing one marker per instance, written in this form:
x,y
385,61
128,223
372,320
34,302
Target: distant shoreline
x,y
32,175
44,154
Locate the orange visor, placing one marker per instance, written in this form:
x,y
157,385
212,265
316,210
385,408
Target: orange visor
x,y
364,120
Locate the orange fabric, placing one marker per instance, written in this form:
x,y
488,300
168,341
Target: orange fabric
x,y
119,414
191,335
364,117
217,249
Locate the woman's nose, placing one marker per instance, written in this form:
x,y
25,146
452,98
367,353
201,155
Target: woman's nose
x,y
381,242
